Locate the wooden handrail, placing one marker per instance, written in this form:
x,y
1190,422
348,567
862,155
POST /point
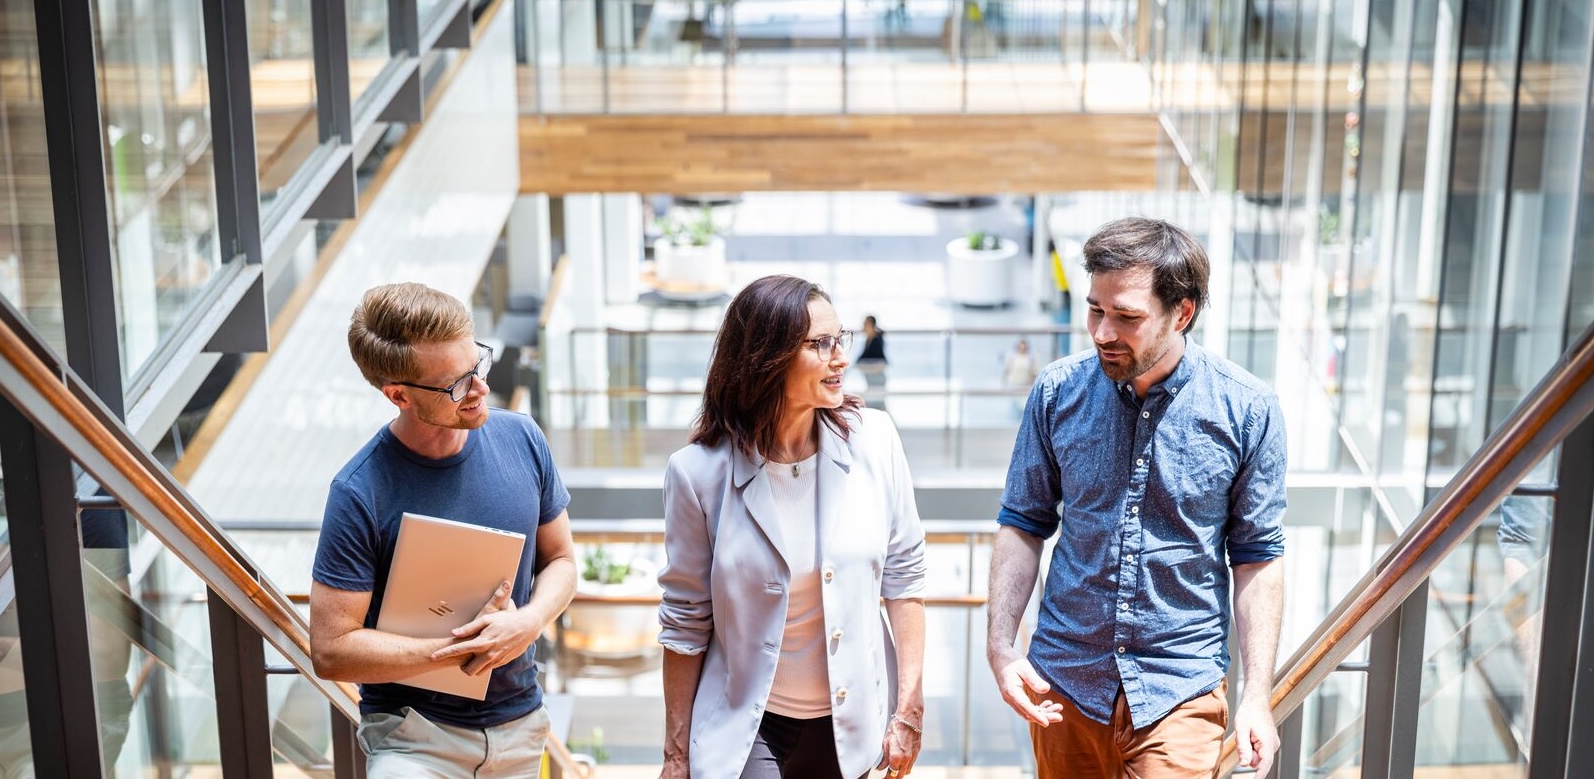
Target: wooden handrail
x,y
1561,401
54,400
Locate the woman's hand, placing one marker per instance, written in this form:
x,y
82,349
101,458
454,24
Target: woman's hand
x,y
901,746
675,769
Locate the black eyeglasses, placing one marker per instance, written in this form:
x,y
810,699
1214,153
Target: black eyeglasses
x,y
461,386
826,345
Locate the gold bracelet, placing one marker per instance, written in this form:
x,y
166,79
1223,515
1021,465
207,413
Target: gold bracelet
x,y
910,726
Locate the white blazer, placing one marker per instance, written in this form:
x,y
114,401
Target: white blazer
x,y
725,587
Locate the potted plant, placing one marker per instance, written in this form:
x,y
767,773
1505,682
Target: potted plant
x,y
690,257
613,630
977,268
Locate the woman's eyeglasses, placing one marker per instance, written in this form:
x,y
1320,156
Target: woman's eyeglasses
x,y
826,345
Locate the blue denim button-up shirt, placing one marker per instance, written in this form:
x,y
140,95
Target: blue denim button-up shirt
x,y
1153,493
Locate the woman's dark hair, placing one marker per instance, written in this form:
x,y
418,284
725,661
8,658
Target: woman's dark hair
x,y
1177,262
765,330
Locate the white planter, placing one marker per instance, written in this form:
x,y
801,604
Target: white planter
x,y
690,267
977,277
616,631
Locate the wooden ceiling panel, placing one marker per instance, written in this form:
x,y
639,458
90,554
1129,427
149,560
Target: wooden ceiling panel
x,y
932,153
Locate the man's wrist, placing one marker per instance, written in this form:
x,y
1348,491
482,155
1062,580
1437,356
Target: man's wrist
x,y
999,654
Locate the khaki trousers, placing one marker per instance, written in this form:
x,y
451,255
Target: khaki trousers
x,y
399,747
1185,744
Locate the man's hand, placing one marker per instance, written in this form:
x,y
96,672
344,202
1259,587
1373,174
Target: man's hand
x,y
497,635
1016,678
1256,735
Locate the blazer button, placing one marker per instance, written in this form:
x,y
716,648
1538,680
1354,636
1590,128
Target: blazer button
x,y
830,573
836,635
841,693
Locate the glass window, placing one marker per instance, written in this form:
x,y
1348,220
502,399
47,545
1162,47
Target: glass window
x,y
1538,249
29,278
369,49
1474,237
282,86
425,10
155,107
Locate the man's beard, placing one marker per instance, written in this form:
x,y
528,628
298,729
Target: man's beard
x,y
1137,365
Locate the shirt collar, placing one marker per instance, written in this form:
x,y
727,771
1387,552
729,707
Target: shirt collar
x,y
1182,372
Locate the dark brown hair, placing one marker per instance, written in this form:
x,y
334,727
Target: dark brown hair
x,y
1177,262
764,332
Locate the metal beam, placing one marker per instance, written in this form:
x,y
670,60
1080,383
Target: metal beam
x,y
52,611
1564,690
1394,690
243,712
329,33
232,130
78,187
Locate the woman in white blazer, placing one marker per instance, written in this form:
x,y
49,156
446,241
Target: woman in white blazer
x,y
787,519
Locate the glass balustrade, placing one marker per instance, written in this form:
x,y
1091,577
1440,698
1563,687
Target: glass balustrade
x,y
831,57
947,391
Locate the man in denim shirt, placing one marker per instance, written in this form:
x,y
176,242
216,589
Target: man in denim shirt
x,y
1155,460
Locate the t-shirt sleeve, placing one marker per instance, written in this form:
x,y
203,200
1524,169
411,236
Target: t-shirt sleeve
x,y
554,496
345,557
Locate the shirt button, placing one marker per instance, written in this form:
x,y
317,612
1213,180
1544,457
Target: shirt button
x,y
836,635
1129,558
829,574
1140,461
1121,650
1134,509
1123,607
841,693
1145,415
1174,390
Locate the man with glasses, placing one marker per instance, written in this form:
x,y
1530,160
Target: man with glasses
x,y
445,456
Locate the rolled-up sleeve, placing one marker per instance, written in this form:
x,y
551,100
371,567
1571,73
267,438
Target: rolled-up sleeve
x,y
1034,481
904,574
1257,499
686,613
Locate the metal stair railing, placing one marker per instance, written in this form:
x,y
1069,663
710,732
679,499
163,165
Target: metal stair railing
x,y
1546,416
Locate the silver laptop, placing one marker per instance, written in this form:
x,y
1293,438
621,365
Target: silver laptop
x,y
443,572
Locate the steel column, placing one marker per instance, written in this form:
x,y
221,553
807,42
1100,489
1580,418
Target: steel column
x,y
243,712
52,609
1564,689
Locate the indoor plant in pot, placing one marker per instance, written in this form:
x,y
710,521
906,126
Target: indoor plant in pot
x,y
691,254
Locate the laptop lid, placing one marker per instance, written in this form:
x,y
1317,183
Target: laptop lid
x,y
443,572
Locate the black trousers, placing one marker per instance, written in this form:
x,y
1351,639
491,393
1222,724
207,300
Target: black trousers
x,y
788,748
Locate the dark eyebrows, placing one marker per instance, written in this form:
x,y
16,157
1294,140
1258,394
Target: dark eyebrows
x,y
1120,309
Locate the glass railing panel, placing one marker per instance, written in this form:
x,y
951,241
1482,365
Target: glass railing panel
x,y
787,56
150,634
606,654
282,89
661,59
1482,646
301,733
151,646
1331,727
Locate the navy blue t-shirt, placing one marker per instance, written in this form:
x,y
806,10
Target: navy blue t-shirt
x,y
504,478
